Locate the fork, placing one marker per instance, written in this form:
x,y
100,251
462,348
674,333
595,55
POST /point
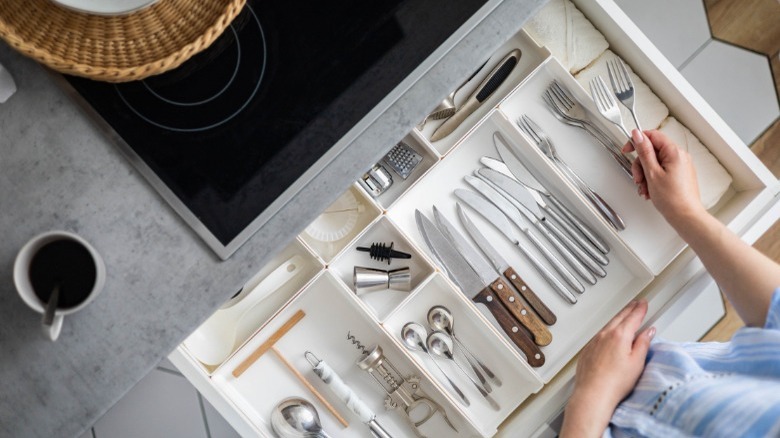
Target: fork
x,y
562,111
622,85
605,102
542,141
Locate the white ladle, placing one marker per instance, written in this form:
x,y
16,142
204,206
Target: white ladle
x,y
213,341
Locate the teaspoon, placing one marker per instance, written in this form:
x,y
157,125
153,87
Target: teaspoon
x,y
413,335
440,344
440,318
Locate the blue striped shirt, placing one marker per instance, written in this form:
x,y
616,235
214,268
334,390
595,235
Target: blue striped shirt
x,y
715,389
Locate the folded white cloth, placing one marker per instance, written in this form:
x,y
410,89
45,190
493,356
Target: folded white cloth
x,y
7,84
571,38
649,108
713,179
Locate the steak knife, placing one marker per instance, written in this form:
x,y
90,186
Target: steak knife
x,y
515,216
502,266
471,285
491,82
514,303
498,220
521,196
518,170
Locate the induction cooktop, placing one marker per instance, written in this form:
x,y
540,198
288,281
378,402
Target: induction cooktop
x,y
224,136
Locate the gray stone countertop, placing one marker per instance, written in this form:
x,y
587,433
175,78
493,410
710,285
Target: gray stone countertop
x,y
58,171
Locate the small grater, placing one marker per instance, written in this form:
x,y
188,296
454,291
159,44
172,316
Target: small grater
x,y
402,159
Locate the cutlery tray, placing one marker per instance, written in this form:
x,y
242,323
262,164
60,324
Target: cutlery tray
x,y
639,257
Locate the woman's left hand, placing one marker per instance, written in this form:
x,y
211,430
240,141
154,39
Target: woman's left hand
x,y
607,370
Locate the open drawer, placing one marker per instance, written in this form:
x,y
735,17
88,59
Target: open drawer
x,y
647,259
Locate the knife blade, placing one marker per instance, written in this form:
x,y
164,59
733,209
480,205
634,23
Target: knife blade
x,y
491,82
515,304
498,220
577,247
503,266
524,176
470,285
515,216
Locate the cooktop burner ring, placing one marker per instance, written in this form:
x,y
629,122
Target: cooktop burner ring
x,y
174,106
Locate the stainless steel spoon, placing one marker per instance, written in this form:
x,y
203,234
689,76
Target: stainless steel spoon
x,y
440,344
296,418
414,335
440,318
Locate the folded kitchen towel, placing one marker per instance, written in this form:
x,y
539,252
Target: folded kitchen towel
x,y
713,179
7,85
649,108
571,38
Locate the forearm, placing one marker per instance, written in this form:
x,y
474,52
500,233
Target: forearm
x,y
586,416
747,277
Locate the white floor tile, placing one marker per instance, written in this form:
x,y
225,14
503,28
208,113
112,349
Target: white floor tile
x,y
218,426
677,27
161,405
739,86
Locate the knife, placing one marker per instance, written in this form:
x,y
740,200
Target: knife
x,y
491,82
518,194
502,266
498,220
514,303
515,216
518,170
461,273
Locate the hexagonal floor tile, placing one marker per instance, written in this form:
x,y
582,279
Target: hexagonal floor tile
x,y
739,86
677,27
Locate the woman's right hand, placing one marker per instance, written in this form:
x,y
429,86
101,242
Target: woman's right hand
x,y
665,175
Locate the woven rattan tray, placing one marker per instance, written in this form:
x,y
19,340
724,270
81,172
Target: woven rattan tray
x,y
115,49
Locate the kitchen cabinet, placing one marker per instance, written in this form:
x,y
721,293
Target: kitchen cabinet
x,y
646,260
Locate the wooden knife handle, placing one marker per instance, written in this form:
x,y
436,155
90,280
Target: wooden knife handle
x,y
515,331
522,312
525,290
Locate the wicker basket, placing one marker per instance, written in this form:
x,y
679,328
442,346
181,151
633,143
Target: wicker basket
x,y
115,49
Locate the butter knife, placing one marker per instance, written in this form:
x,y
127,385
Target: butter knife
x,y
491,82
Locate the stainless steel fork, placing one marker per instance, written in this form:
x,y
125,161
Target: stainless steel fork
x,y
606,104
542,141
623,86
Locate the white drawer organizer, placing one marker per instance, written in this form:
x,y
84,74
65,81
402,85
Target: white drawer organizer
x,y
647,259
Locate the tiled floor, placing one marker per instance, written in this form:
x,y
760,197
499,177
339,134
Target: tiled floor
x,y
737,81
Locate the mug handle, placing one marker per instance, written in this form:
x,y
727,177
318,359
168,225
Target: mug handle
x,y
53,331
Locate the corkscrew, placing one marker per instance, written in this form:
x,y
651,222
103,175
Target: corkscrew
x,y
403,394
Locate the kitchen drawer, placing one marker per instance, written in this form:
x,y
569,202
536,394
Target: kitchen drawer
x,y
647,259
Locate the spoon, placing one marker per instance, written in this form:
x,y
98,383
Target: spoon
x,y
296,418
213,341
440,318
413,335
440,344
51,306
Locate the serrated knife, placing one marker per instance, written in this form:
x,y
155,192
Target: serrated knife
x,y
503,266
498,220
492,81
472,286
522,198
518,170
514,303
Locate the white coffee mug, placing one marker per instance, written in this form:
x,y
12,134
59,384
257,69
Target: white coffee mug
x,y
24,286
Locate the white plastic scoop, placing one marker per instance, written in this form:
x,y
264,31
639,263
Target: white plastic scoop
x,y
213,341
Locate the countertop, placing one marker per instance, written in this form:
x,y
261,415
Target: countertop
x,y
59,171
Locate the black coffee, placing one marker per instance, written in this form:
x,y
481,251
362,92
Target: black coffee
x,y
68,264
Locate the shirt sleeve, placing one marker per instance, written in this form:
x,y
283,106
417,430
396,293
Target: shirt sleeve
x,y
773,316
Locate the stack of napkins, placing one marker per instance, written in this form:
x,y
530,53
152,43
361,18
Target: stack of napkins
x,y
7,84
649,108
712,177
571,38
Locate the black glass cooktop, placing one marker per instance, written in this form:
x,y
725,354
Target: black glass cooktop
x,y
232,128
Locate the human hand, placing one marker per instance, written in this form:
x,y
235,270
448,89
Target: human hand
x,y
665,175
607,370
